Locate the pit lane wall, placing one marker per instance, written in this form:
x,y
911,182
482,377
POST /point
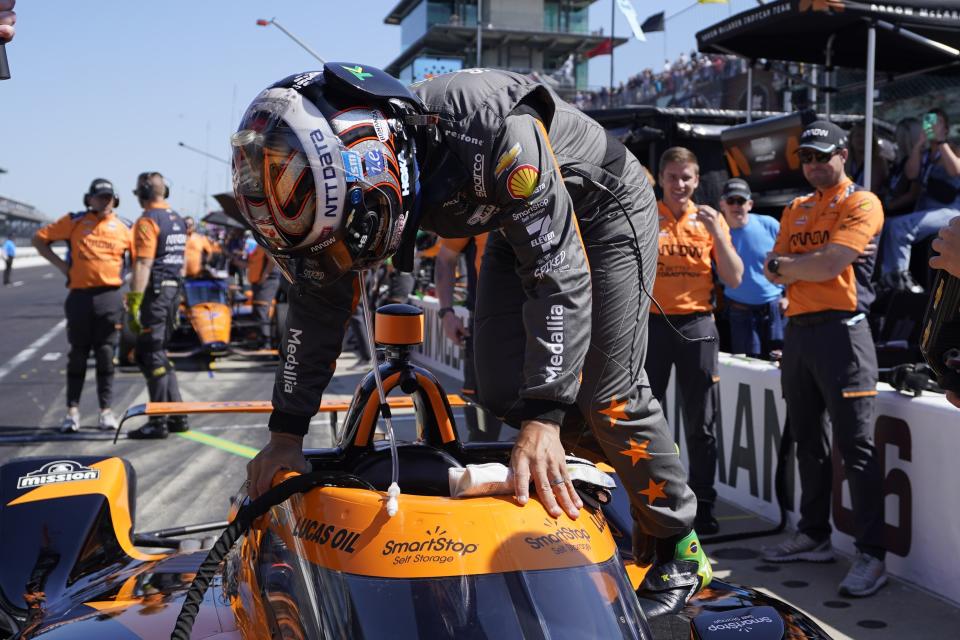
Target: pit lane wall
x,y
28,257
917,442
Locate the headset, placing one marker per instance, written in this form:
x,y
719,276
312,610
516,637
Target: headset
x,y
89,194
145,190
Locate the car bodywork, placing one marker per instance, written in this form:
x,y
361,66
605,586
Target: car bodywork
x,y
330,563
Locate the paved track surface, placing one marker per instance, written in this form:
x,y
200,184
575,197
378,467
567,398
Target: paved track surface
x,y
183,481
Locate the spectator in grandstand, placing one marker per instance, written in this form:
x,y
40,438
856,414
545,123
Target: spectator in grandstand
x,y
947,245
694,243
936,164
198,251
9,253
481,425
98,241
901,192
264,278
7,19
829,360
856,162
755,308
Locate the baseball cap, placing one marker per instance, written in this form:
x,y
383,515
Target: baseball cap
x,y
823,136
736,187
101,186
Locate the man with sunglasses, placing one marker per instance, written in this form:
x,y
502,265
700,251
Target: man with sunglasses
x,y
755,308
829,360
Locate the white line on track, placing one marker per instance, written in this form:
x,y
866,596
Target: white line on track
x,y
47,276
18,283
50,357
35,346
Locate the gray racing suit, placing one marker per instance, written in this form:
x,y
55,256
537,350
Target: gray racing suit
x,y
510,156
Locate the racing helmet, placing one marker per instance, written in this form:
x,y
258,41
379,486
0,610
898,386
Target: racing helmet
x,y
325,170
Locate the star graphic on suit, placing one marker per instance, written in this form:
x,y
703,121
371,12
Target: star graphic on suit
x,y
654,490
616,410
637,451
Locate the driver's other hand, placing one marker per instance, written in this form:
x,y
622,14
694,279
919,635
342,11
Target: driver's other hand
x,y
538,456
284,452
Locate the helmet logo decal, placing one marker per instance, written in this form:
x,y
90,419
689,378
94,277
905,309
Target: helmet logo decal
x,y
352,166
358,72
404,174
330,182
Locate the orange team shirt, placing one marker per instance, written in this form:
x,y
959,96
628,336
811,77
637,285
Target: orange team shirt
x,y
146,234
458,244
197,244
257,264
840,215
684,281
96,248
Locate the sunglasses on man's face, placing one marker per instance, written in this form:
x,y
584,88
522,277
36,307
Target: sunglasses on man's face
x,y
808,156
736,201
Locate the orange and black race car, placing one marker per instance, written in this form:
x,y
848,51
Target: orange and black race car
x,y
335,553
214,320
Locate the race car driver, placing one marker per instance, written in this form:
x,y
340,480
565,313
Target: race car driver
x,y
159,237
332,169
98,242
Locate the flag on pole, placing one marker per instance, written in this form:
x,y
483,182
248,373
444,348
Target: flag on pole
x,y
602,49
626,8
653,23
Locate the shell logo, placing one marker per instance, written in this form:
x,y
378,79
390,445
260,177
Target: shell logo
x,y
522,181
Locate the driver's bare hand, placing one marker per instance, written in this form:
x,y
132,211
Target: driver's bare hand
x,y
284,452
7,19
538,456
454,329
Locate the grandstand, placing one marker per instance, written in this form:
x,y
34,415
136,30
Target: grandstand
x,y
20,219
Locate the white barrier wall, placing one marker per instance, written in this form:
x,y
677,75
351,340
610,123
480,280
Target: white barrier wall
x,y
918,441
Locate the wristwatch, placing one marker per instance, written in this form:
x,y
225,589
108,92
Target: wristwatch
x,y
444,311
774,266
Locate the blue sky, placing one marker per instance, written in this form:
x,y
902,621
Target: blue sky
x,y
107,88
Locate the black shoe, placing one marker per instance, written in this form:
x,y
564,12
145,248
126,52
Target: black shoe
x,y
705,524
899,281
668,585
178,424
155,429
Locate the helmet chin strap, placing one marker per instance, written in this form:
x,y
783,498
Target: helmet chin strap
x,y
393,492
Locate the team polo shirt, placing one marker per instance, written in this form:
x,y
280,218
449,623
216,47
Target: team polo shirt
x,y
844,215
159,233
97,246
257,265
684,281
197,244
